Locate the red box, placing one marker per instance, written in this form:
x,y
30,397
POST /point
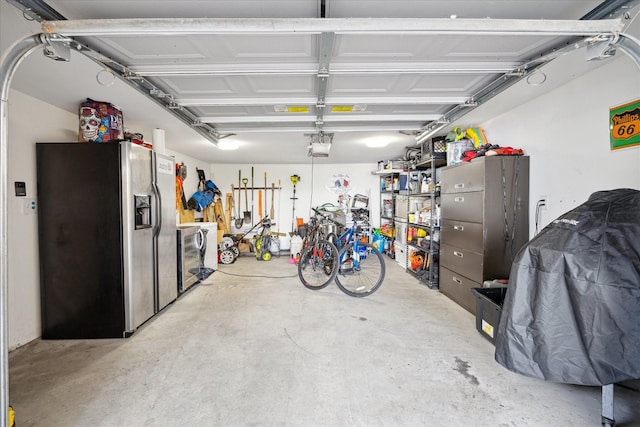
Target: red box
x,y
100,122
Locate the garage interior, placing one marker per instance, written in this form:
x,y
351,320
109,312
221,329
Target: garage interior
x,y
270,77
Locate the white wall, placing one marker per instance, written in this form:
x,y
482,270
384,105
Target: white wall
x,y
566,133
31,121
312,190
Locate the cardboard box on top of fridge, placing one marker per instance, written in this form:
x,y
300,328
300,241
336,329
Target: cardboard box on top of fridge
x,y
100,122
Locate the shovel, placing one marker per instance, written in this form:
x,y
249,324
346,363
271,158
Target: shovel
x,y
247,212
238,220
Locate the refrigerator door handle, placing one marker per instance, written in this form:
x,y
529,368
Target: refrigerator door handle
x,y
157,225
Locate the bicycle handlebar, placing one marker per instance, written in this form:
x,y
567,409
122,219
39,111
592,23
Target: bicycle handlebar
x,y
361,217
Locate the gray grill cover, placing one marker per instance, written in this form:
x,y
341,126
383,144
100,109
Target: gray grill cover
x,y
572,311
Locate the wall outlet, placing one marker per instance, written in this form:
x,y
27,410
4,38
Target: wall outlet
x,y
29,206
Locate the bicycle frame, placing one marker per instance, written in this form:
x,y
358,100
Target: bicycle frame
x,y
349,236
356,266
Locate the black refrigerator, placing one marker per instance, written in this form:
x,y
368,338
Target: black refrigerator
x,y
107,237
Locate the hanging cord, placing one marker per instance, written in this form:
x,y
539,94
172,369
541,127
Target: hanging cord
x,y
539,206
504,201
311,196
510,237
257,275
515,204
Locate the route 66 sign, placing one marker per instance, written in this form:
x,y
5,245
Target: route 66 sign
x,y
624,125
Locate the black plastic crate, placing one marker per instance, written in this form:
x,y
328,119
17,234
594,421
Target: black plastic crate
x,y
488,309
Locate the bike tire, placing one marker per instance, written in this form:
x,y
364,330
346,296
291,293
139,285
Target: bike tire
x,y
366,279
318,265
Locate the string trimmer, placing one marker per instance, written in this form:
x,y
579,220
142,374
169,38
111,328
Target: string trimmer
x,y
295,179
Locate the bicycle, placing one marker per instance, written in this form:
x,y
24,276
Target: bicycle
x,y
361,267
318,263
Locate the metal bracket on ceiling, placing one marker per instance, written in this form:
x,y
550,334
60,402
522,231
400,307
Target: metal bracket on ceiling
x,y
469,103
56,48
324,59
431,129
129,75
518,72
601,49
163,95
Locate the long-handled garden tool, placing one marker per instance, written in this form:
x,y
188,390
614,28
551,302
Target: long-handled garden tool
x,y
239,218
247,212
272,213
279,204
295,179
252,188
265,192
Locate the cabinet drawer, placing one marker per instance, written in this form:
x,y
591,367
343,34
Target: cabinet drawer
x,y
463,261
461,234
458,288
463,206
463,178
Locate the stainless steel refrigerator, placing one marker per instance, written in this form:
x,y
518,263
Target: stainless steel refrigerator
x,y
107,237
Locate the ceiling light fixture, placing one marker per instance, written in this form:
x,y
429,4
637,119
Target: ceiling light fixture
x,y
320,144
228,144
377,142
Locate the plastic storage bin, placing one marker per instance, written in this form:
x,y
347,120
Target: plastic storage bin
x,y
488,310
401,254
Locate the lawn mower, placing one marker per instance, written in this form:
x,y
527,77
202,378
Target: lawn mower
x,y
229,250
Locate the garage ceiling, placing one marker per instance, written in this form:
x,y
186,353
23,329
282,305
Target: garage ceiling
x,y
270,74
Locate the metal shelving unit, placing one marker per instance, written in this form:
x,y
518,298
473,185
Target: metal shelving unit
x,y
389,188
423,226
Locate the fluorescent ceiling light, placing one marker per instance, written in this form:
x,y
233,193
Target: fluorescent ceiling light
x,y
377,142
228,144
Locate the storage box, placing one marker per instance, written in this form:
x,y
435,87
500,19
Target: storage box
x,y
401,232
100,122
402,206
401,254
488,310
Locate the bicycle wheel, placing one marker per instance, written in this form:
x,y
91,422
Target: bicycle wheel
x,y
360,275
318,265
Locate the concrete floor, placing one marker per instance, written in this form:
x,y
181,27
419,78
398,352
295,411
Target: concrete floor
x,y
252,347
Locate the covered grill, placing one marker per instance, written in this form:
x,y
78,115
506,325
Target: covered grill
x,y
572,312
